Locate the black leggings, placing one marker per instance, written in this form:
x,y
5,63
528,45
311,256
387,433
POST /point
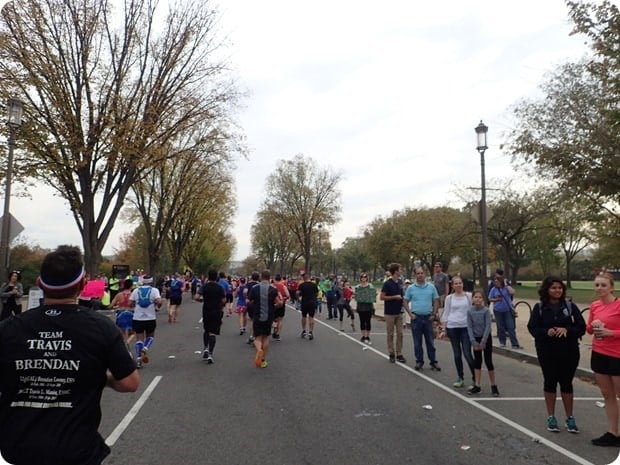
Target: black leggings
x,y
365,318
558,367
488,355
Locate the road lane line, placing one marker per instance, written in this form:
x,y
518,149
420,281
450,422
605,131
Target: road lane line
x,y
474,402
122,426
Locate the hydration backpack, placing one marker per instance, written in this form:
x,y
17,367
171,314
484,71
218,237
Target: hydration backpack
x,y
144,298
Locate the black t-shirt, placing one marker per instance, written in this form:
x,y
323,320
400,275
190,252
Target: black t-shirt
x,y
53,363
308,291
212,294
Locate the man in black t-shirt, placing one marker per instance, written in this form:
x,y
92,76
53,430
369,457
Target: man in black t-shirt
x,y
213,299
55,361
308,292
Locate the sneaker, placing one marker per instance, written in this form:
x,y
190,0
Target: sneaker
x,y
363,339
264,364
552,425
210,359
310,336
138,363
459,383
169,318
303,334
418,366
571,425
401,359
474,390
277,338
250,340
517,347
368,341
259,358
274,334
607,440
435,367
392,358
205,354
145,357
503,345
494,391
241,331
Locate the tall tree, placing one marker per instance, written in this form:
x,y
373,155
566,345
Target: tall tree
x,y
105,92
303,196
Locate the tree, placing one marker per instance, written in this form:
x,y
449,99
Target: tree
x,y
102,102
353,255
272,243
567,135
302,196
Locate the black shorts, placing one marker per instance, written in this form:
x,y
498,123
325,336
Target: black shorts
x,y
605,364
229,298
279,312
144,326
212,321
261,328
176,300
308,310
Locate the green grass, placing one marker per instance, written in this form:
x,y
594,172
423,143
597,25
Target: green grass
x,y
582,292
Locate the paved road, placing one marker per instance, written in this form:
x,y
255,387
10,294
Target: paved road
x,y
332,401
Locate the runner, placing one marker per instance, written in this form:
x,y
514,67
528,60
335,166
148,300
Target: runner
x,y
175,294
264,298
213,300
308,291
143,300
279,313
124,313
241,308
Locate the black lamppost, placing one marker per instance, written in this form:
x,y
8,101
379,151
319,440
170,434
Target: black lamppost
x,y
14,121
481,135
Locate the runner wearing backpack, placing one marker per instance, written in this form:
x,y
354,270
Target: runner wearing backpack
x,y
143,300
175,294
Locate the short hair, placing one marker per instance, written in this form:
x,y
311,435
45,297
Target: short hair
x,y
62,273
127,284
255,276
212,275
222,275
265,274
394,267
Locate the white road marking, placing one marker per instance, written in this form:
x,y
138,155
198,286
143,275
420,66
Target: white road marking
x,y
122,426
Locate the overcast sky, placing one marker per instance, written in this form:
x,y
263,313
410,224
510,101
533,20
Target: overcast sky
x,y
386,92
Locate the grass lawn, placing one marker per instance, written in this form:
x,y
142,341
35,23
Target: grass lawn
x,y
582,292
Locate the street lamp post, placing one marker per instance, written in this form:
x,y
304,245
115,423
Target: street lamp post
x,y
14,121
481,135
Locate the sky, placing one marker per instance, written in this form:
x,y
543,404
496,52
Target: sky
x,y
386,93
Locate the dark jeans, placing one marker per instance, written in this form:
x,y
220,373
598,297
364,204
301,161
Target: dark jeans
x,y
332,311
461,346
422,326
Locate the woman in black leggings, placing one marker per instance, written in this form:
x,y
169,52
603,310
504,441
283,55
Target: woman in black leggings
x,y
556,325
365,296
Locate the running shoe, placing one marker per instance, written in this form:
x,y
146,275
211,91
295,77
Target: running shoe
x,y
495,391
552,425
418,366
145,357
169,318
205,354
303,334
310,335
401,359
607,440
259,357
210,360
277,338
571,425
474,390
459,383
435,367
264,364
138,363
392,358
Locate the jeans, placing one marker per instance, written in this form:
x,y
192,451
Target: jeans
x,y
506,322
423,326
461,346
394,323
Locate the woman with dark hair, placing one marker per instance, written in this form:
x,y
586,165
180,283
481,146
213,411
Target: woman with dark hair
x,y
11,294
556,325
501,296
